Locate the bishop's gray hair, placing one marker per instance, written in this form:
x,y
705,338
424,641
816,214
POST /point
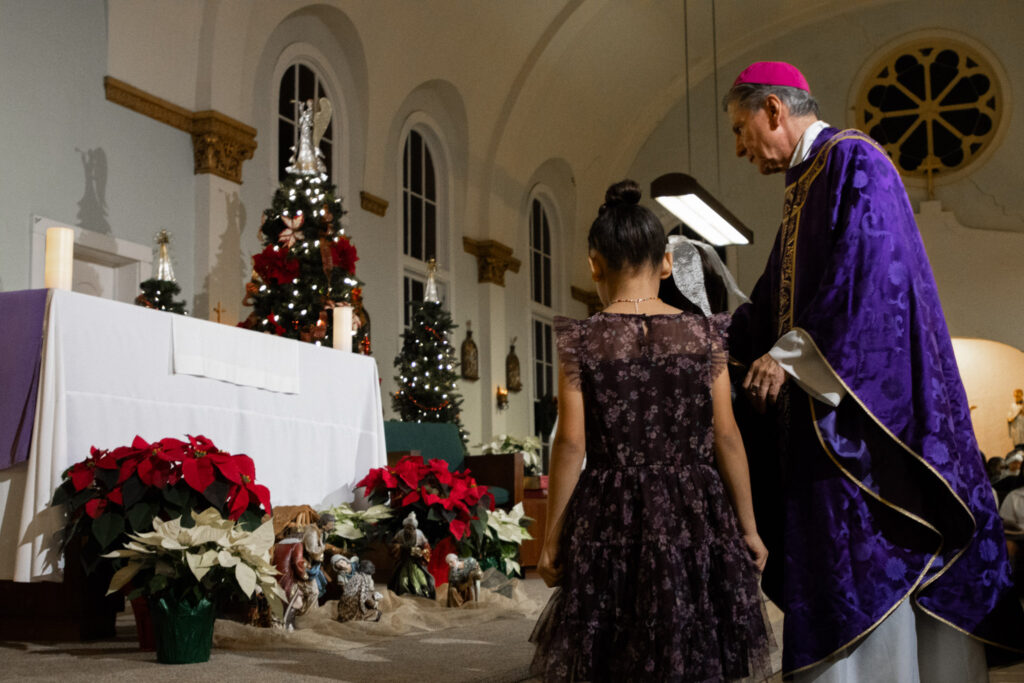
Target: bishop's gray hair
x,y
751,96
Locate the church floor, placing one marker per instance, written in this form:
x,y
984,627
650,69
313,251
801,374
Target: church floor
x,y
496,651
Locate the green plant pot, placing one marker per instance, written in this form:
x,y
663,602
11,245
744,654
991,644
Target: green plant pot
x,y
183,633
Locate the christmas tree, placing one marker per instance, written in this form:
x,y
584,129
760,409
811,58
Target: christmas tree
x,y
427,365
158,292
307,264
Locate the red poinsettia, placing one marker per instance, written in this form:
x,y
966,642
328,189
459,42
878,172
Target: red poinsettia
x,y
432,490
115,492
200,470
153,462
83,474
273,264
95,507
343,254
248,491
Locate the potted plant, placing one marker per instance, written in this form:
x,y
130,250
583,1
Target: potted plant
x,y
354,529
185,571
533,477
496,539
445,503
113,493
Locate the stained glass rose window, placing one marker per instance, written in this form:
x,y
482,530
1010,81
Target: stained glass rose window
x,y
935,105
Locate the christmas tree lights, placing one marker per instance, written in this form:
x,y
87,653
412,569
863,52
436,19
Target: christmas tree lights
x,y
159,292
426,365
307,264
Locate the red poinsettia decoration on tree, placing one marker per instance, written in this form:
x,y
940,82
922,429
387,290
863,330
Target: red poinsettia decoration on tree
x,y
112,493
273,264
344,255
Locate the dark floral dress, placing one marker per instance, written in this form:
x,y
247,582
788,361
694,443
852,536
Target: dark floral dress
x,y
658,584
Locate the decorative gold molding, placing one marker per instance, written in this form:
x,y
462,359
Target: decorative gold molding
x,y
372,203
590,298
152,106
492,259
219,143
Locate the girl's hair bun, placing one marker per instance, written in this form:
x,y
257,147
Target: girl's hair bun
x,y
622,193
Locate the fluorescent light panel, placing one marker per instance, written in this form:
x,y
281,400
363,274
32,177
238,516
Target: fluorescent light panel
x,y
701,218
699,210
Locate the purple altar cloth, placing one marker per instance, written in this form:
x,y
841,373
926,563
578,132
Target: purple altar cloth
x,y
21,346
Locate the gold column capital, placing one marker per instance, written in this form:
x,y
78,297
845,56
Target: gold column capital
x,y
372,203
492,259
219,143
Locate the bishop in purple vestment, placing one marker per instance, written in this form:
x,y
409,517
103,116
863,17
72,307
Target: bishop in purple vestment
x,y
878,490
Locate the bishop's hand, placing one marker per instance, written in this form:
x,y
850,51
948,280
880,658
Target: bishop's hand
x,y
763,382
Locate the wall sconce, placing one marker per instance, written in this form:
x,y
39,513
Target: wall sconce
x,y
502,397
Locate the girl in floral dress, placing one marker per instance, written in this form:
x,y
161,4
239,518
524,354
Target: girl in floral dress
x,y
653,544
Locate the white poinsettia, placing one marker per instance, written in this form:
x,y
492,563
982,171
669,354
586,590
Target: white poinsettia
x,y
201,558
351,524
506,443
507,526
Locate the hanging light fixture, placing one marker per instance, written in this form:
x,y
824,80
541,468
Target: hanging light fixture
x,y
682,194
699,210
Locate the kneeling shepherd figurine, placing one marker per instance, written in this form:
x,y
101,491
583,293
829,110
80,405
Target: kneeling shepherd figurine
x,y
464,577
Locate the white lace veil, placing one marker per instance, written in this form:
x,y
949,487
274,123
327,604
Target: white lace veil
x,y
688,271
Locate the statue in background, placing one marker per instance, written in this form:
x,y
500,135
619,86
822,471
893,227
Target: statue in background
x,y
470,357
513,378
308,159
359,601
412,550
1015,420
299,587
464,577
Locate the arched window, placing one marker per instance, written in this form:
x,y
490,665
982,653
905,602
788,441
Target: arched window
x,y
300,83
540,255
542,323
419,195
421,239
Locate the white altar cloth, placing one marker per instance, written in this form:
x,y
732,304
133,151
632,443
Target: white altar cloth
x,y
107,375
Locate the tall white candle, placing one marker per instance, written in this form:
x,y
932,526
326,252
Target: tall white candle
x,y
60,255
343,327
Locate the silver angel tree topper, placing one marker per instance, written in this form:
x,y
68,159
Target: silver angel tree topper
x,y
308,159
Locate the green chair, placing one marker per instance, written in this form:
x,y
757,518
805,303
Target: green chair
x,y
501,473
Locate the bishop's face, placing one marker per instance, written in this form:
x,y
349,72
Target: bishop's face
x,y
760,138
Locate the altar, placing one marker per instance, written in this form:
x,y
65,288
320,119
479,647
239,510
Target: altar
x,y
310,417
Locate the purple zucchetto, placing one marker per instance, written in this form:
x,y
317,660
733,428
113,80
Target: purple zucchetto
x,y
773,73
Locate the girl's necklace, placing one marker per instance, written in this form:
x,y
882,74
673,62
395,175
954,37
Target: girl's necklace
x,y
636,302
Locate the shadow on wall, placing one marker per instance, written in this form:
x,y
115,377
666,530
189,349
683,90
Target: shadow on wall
x,y
990,371
223,286
92,207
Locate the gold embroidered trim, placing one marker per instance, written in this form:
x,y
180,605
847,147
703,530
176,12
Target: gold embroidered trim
x,y
907,513
897,508
796,195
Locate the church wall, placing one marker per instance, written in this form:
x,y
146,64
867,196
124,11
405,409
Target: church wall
x,y
57,118
976,266
499,90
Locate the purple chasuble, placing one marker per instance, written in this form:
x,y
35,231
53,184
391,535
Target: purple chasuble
x,y
884,497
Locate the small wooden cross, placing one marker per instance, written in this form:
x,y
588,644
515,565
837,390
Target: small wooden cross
x,y
218,310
